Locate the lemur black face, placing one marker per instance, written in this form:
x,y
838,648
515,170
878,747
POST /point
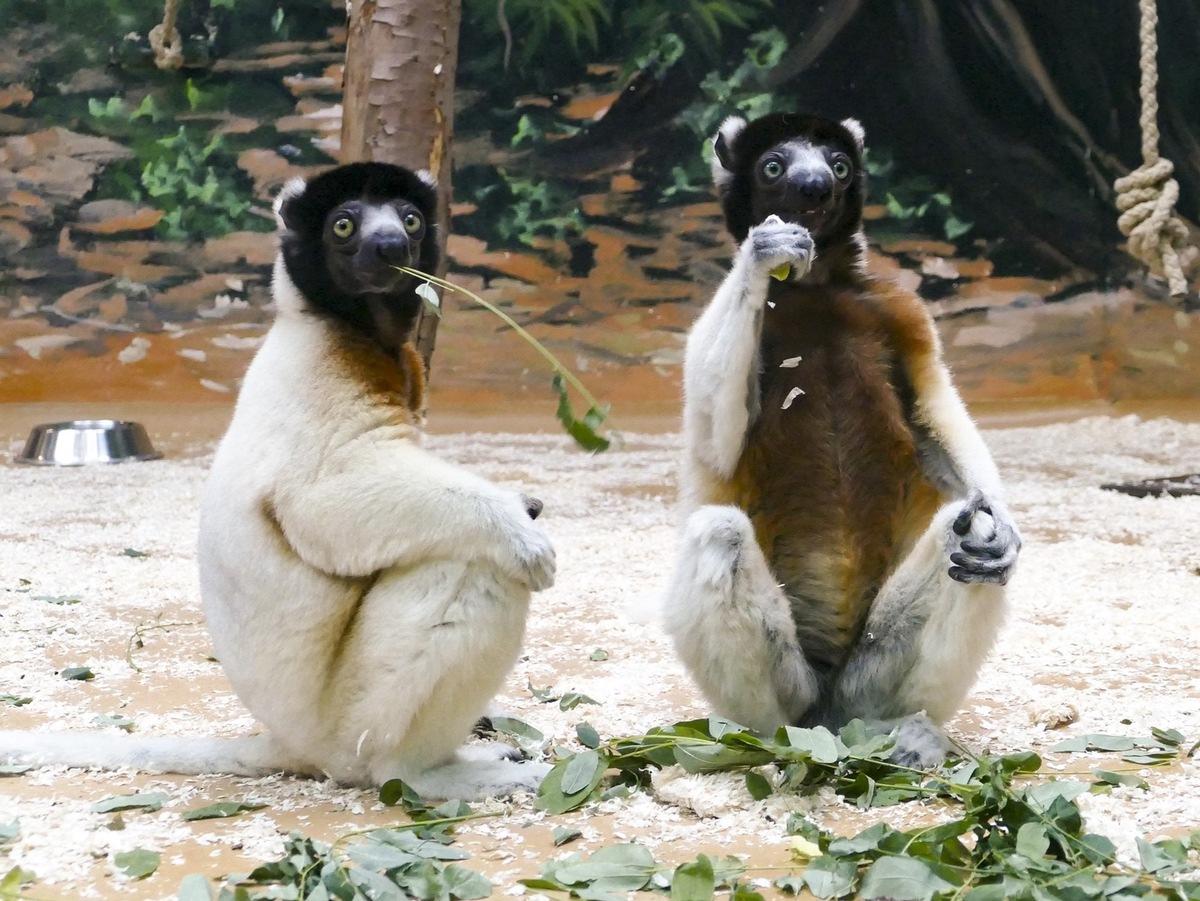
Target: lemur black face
x,y
801,168
801,182
346,230
364,243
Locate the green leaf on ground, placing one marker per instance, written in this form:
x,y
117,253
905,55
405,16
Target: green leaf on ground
x,y
694,881
138,863
59,600
116,720
146,801
221,810
563,835
195,887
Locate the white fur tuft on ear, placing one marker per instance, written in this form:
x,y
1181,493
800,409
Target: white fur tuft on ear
x,y
731,128
428,177
291,189
855,128
726,135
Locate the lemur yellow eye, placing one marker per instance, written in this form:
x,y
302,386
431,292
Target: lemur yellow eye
x,y
772,169
841,170
412,223
343,227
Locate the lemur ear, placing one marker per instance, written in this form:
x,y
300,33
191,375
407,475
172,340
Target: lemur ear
x,y
428,177
292,188
723,160
855,128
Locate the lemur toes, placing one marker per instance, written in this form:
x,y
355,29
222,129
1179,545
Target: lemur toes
x,y
920,744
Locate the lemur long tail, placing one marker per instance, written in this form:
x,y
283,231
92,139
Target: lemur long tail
x,y
253,755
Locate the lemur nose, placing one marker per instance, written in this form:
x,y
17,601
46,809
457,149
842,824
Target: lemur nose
x,y
816,188
391,248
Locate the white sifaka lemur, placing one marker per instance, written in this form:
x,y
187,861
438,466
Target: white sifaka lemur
x,y
846,544
365,598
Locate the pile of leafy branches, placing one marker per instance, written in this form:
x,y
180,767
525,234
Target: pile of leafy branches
x,y
1010,834
1010,840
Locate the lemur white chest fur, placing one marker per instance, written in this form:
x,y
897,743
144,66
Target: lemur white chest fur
x,y
846,542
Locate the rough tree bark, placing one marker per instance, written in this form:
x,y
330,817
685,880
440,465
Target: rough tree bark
x,y
398,97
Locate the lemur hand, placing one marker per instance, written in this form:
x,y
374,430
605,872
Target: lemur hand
x,y
774,243
990,542
526,551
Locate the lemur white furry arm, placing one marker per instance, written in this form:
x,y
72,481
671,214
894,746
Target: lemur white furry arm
x,y
461,515
722,361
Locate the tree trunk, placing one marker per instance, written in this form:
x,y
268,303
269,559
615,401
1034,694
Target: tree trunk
x,y
398,98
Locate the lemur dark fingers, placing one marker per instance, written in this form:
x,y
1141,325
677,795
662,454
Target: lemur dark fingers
x,y
991,558
774,242
973,569
972,505
533,506
997,576
1002,537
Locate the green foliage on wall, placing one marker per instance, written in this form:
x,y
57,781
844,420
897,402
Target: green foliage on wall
x,y
548,43
914,202
514,210
192,177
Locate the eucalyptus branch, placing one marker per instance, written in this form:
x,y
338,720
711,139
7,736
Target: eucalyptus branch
x,y
582,430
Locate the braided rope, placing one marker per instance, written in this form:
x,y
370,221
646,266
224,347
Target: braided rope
x,y
1146,197
166,40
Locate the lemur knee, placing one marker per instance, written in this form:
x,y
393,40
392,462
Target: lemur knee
x,y
717,536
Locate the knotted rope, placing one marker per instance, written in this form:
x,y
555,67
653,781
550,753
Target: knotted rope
x,y
1146,197
166,40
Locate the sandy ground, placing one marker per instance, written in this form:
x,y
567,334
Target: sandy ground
x,y
1105,621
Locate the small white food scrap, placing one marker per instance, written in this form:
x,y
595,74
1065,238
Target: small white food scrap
x,y
792,395
790,363
427,292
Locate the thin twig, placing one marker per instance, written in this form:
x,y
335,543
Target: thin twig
x,y
515,326
141,630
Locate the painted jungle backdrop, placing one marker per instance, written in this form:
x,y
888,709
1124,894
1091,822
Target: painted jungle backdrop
x,y
135,225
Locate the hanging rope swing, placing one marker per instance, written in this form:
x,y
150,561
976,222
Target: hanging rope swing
x,y
166,40
1146,197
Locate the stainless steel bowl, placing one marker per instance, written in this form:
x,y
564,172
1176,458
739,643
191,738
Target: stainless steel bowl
x,y
86,441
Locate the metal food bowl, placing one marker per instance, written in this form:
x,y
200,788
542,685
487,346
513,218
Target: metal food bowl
x,y
85,441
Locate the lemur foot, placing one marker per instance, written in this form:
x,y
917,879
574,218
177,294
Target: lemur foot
x,y
920,744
